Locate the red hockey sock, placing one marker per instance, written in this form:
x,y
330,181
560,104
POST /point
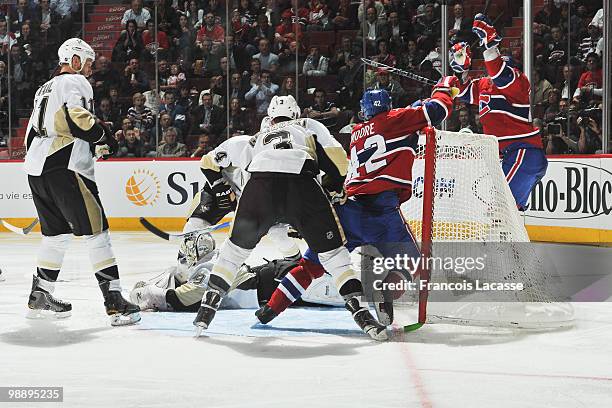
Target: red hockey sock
x,y
294,284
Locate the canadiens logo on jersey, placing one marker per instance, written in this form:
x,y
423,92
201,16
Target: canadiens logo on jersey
x,y
483,104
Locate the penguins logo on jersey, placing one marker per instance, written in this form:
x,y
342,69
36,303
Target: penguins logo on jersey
x,y
220,156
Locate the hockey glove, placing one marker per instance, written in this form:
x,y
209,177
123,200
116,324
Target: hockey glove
x,y
485,31
449,85
224,196
337,197
108,146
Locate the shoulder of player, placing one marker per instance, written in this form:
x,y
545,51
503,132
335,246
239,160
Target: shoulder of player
x,y
75,80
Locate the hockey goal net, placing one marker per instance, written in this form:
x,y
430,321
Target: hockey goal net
x,y
462,208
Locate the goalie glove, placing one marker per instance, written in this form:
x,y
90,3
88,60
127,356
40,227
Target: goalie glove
x,y
224,195
485,31
449,85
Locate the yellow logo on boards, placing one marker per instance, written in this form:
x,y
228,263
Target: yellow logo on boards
x,y
143,188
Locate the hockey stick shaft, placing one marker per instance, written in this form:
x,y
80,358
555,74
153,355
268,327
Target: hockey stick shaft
x,y
17,230
176,237
397,71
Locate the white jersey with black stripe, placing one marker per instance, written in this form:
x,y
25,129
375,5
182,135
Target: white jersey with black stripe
x,y
50,133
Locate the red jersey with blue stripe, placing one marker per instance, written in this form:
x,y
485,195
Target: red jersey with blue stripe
x,y
383,148
503,104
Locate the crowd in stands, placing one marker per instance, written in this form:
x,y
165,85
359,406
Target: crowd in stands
x,y
216,75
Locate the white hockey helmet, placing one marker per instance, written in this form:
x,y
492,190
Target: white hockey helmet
x,y
78,47
284,106
196,246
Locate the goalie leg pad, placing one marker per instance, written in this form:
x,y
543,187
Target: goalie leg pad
x,y
52,251
279,235
195,223
231,258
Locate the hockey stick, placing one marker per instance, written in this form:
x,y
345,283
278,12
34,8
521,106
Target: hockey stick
x,y
178,237
397,71
17,230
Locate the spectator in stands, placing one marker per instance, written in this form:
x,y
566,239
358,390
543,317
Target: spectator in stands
x,y
317,15
186,98
569,83
286,32
176,112
205,59
379,10
465,124
404,9
346,16
210,30
239,123
590,82
322,110
166,16
142,117
7,39
176,77
555,53
384,81
195,15
238,56
184,40
163,73
287,60
589,44
66,10
272,10
384,56
350,78
105,113
427,28
261,93
46,25
237,89
28,42
589,141
212,119
264,55
376,30
547,18
21,76
216,9
287,87
137,13
315,64
20,14
215,92
129,44
411,58
461,26
170,147
261,30
205,145
247,12
552,108
541,88
134,79
152,98
131,145
165,122
104,76
250,77
399,32
150,46
119,109
126,124
341,54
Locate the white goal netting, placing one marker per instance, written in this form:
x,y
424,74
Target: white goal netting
x,y
475,216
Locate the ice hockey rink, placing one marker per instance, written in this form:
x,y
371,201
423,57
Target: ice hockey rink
x,y
305,358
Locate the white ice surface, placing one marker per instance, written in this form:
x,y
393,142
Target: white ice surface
x,y
308,358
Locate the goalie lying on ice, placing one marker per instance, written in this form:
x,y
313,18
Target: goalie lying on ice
x,y
180,288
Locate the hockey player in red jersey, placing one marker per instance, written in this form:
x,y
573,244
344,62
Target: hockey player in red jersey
x,y
379,179
504,109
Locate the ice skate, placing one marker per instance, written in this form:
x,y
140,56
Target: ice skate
x,y
265,314
365,320
210,303
384,312
43,305
121,311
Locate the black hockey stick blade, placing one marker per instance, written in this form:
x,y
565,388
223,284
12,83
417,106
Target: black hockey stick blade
x,y
177,237
17,230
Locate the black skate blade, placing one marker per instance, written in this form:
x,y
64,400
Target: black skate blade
x,y
119,319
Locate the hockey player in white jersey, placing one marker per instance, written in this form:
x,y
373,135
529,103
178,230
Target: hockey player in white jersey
x,y
180,288
60,137
285,162
224,170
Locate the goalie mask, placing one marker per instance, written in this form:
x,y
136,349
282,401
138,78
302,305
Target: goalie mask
x,y
195,247
460,57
